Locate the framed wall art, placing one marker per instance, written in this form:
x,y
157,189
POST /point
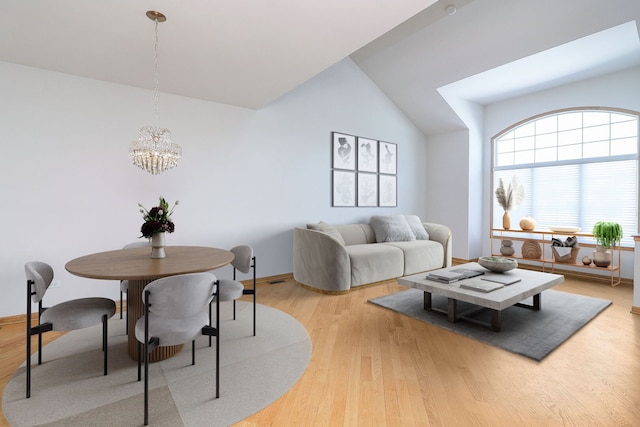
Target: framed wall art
x,y
367,189
388,157
344,188
363,171
343,151
367,155
388,191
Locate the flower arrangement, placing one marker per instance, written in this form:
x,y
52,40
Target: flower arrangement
x,y
512,196
157,219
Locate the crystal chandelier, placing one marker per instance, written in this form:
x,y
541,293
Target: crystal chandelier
x,y
153,151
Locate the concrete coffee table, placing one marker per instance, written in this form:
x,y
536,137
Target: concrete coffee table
x,y
531,283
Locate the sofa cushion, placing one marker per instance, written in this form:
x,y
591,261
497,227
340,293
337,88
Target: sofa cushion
x,y
419,255
328,229
391,228
416,226
374,263
356,234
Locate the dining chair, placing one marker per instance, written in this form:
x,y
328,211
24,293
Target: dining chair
x,y
175,313
244,261
124,284
65,316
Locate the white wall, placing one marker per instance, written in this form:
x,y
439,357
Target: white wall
x,y
619,90
447,187
247,177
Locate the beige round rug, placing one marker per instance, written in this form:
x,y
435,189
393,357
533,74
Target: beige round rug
x,y
68,389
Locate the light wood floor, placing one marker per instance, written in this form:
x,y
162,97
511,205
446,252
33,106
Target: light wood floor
x,y
373,367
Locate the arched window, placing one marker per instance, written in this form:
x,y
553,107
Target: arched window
x,y
577,167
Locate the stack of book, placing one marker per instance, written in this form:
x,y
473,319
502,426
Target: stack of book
x,y
444,276
481,286
450,276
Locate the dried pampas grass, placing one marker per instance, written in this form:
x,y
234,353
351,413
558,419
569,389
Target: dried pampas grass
x,y
512,196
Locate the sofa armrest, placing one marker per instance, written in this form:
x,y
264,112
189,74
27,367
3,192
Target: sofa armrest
x,y
320,261
442,234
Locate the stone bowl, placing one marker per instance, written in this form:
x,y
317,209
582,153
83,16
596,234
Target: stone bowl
x,y
497,264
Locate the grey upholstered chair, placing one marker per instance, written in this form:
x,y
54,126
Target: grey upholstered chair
x,y
244,262
65,316
174,313
124,284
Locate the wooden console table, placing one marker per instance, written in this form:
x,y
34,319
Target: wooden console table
x,y
543,237
137,266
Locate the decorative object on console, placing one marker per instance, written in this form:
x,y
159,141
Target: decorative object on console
x,y
564,229
154,151
531,249
567,251
497,264
607,235
527,223
509,198
586,260
506,247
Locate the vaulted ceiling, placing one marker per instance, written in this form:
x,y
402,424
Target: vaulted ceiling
x,y
249,53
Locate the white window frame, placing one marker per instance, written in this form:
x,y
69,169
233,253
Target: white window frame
x,y
535,143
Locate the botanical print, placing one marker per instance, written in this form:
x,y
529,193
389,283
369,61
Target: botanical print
x,y
344,151
388,197
367,155
344,188
367,189
388,158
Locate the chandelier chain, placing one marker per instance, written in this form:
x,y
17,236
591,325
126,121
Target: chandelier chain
x,y
156,108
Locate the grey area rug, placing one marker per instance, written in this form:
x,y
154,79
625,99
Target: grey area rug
x,y
533,334
68,389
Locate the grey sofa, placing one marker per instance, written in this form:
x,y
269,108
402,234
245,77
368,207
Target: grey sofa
x,y
335,258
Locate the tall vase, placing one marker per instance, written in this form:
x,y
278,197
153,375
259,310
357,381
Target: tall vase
x,y
506,220
157,245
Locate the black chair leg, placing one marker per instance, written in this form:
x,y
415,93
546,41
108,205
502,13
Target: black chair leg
x,y
28,339
217,348
193,352
121,304
210,321
139,361
254,295
105,347
146,386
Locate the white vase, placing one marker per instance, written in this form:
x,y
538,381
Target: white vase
x,y
157,245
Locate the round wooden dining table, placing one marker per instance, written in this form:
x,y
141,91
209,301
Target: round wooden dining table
x,y
137,266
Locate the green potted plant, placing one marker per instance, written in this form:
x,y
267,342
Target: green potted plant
x,y
607,235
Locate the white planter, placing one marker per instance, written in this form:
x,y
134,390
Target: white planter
x,y
157,245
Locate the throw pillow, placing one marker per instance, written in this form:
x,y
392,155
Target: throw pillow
x,y
328,229
391,228
416,226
